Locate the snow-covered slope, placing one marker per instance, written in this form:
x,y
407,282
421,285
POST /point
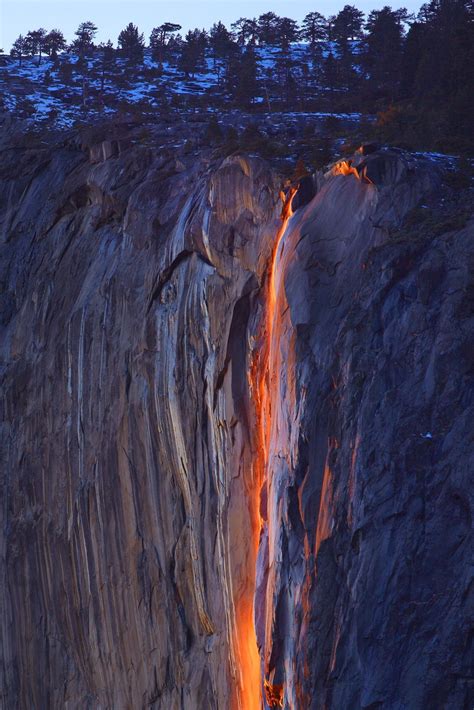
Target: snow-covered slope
x,y
57,91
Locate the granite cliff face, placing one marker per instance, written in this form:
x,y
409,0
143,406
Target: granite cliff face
x,y
200,424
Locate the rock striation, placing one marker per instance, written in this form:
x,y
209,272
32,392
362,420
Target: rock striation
x,y
367,587
151,554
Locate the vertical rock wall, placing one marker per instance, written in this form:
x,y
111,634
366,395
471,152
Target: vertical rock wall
x,y
128,555
367,584
136,544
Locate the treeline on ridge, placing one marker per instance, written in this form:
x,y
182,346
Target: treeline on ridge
x,y
417,72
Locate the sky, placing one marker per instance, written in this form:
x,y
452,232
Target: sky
x,y
111,16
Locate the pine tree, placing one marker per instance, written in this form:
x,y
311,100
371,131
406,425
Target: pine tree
x,y
131,43
174,48
331,73
437,75
220,40
84,42
192,59
221,44
268,28
347,28
444,76
412,54
106,65
286,32
54,43
19,49
160,38
246,85
384,46
36,42
65,73
314,29
285,74
83,45
245,31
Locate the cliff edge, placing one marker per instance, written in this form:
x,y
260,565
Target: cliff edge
x,y
151,555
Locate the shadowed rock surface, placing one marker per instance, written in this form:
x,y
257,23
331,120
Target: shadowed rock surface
x,y
127,288
372,476
133,293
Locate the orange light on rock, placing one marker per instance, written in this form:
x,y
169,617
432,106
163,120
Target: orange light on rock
x,y
345,167
260,386
245,643
273,694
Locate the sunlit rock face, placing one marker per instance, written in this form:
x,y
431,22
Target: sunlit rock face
x,y
363,568
143,525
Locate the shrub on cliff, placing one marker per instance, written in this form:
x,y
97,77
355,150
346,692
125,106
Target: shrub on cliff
x,y
213,134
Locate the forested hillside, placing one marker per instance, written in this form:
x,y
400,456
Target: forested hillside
x,y
413,74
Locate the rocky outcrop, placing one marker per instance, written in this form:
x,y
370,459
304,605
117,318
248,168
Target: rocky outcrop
x,y
126,548
371,452
140,523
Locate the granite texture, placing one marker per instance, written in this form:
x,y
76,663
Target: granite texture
x,y
135,540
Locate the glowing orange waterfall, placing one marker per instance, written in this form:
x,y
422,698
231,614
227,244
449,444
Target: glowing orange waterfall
x,y
248,657
263,404
259,380
277,404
